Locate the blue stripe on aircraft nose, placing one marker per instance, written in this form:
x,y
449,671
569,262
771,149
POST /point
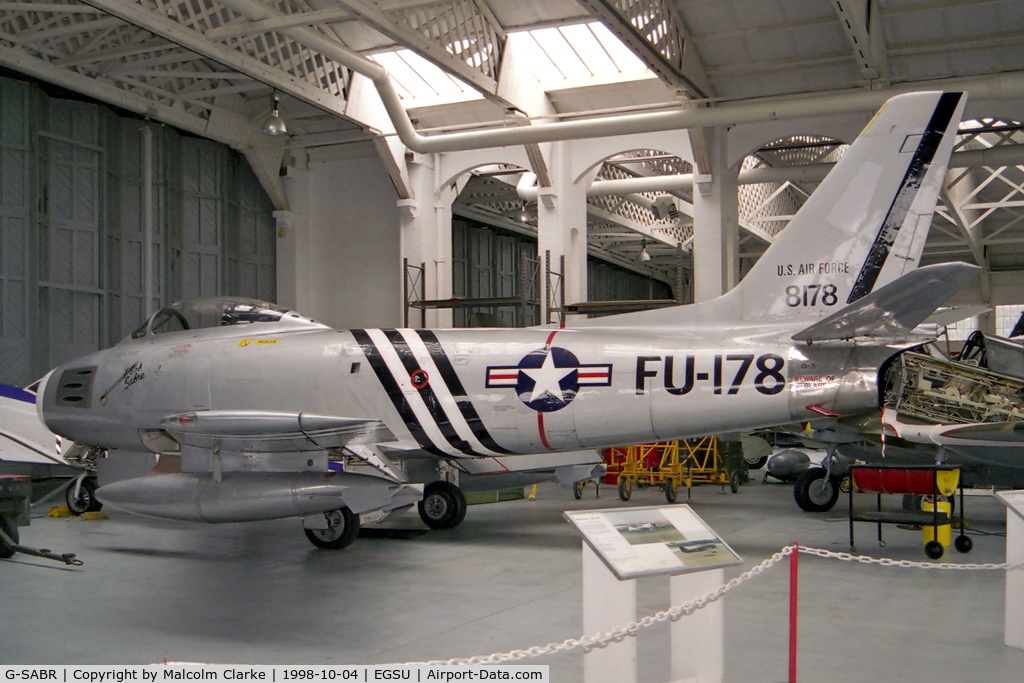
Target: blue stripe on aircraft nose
x,y
17,393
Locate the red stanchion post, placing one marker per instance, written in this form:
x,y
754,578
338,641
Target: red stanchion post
x,y
793,563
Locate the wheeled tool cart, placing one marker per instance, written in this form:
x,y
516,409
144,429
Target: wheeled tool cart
x,y
931,482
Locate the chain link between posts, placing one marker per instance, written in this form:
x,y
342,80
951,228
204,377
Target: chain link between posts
x,y
588,643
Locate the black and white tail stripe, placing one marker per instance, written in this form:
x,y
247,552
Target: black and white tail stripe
x,y
439,414
904,198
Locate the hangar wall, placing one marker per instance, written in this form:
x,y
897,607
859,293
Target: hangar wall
x,y
71,227
339,258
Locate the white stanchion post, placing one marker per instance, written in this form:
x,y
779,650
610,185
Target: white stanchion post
x,y
1013,632
607,604
698,640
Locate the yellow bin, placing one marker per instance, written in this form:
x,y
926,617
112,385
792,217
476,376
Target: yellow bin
x,y
927,505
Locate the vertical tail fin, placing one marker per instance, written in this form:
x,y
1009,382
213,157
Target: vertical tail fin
x,y
867,222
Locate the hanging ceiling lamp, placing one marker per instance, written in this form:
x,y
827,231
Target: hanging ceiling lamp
x,y
274,124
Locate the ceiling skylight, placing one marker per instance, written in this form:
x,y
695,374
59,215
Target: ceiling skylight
x,y
421,83
565,56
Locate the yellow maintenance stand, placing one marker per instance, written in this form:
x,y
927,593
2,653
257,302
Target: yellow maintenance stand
x,y
672,464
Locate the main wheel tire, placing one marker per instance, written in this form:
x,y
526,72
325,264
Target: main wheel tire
x,y
342,529
443,505
756,463
963,544
577,490
671,490
10,528
625,488
815,492
86,500
933,549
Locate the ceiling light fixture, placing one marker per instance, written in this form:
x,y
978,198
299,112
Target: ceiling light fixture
x,y
644,256
274,124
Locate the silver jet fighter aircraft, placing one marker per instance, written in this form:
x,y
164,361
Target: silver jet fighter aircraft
x,y
265,406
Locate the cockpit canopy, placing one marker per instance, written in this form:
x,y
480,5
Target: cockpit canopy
x,y
197,314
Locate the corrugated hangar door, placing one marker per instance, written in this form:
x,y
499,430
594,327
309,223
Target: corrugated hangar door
x,y
203,181
16,301
71,254
70,290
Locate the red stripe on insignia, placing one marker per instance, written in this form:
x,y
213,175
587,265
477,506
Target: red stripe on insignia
x,y
588,375
540,427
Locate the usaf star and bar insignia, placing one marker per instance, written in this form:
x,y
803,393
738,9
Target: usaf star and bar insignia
x,y
549,378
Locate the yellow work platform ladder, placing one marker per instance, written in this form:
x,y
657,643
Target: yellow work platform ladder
x,y
672,464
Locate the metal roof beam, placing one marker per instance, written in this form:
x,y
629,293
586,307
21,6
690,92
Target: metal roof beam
x,y
463,39
861,22
304,19
654,31
160,24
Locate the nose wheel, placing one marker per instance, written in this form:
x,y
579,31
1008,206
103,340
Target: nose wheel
x,y
82,498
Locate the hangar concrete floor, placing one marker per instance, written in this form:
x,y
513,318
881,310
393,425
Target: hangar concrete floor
x,y
509,577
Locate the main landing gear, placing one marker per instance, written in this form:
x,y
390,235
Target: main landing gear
x,y
816,491
443,505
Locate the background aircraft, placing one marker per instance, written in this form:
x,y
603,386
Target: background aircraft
x,y
275,415
28,448
965,411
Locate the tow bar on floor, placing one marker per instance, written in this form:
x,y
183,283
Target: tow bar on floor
x,y
15,492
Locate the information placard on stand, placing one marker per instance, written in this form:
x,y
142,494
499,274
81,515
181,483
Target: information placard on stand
x,y
642,541
620,545
1013,628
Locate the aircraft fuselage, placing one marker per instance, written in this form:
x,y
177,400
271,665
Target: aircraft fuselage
x,y
463,393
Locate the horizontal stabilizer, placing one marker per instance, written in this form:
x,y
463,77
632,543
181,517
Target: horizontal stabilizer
x,y
944,317
897,308
271,432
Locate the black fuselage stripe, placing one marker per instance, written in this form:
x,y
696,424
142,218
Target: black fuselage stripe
x,y
904,198
430,400
394,392
458,391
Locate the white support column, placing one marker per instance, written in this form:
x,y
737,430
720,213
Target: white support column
x,y
1013,633
562,226
426,222
607,604
293,261
715,222
698,640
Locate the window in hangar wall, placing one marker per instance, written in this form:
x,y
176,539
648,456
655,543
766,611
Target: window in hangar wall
x,y
487,262
71,278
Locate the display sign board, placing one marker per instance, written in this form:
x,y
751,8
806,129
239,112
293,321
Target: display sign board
x,y
643,541
1014,500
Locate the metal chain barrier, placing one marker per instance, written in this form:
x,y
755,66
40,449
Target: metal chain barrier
x,y
886,562
588,643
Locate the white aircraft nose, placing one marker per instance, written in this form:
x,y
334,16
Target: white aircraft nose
x,y
40,391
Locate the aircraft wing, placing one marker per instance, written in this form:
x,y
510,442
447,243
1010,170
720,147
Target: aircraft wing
x,y
272,432
894,310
